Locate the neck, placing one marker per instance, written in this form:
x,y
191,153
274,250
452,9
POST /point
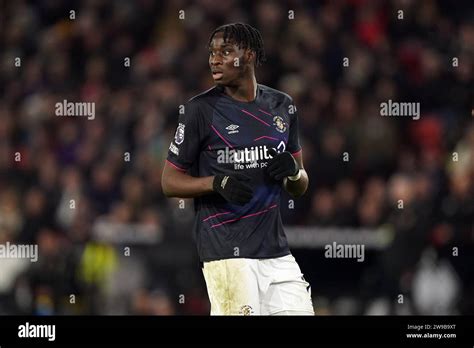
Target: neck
x,y
245,91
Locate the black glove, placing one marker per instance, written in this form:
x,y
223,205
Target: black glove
x,y
233,188
282,165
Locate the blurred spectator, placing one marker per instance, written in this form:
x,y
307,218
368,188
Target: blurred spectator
x,y
61,176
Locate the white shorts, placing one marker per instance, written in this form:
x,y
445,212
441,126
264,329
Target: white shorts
x,y
257,287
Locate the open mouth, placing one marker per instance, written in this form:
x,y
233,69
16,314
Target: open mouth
x,y
217,75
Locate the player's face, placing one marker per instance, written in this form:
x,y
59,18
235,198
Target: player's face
x,y
225,60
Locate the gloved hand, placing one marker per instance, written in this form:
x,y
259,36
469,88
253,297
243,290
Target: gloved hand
x,y
282,165
233,188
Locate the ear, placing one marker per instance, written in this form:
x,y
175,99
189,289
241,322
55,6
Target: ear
x,y
252,56
249,56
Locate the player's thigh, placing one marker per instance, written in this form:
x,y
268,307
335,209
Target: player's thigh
x,y
288,293
232,287
288,298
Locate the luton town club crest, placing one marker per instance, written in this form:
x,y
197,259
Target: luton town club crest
x,y
280,124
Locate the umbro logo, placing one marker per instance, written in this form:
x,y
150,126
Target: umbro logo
x,y
232,129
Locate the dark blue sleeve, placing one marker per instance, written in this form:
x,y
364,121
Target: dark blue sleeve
x,y
185,147
293,145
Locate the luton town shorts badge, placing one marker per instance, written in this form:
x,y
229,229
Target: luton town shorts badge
x,y
246,310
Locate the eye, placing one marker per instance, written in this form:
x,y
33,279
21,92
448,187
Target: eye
x,y
212,54
226,52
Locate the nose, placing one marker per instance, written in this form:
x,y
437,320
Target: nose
x,y
215,60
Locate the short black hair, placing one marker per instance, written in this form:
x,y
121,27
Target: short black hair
x,y
244,36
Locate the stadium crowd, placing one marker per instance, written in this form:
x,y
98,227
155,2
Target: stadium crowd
x,y
63,180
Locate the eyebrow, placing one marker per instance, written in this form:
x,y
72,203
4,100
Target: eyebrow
x,y
221,46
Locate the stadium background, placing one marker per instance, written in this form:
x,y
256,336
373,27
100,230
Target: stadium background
x,y
122,248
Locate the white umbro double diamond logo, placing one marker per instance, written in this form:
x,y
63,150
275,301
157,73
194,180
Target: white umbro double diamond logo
x,y
232,129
